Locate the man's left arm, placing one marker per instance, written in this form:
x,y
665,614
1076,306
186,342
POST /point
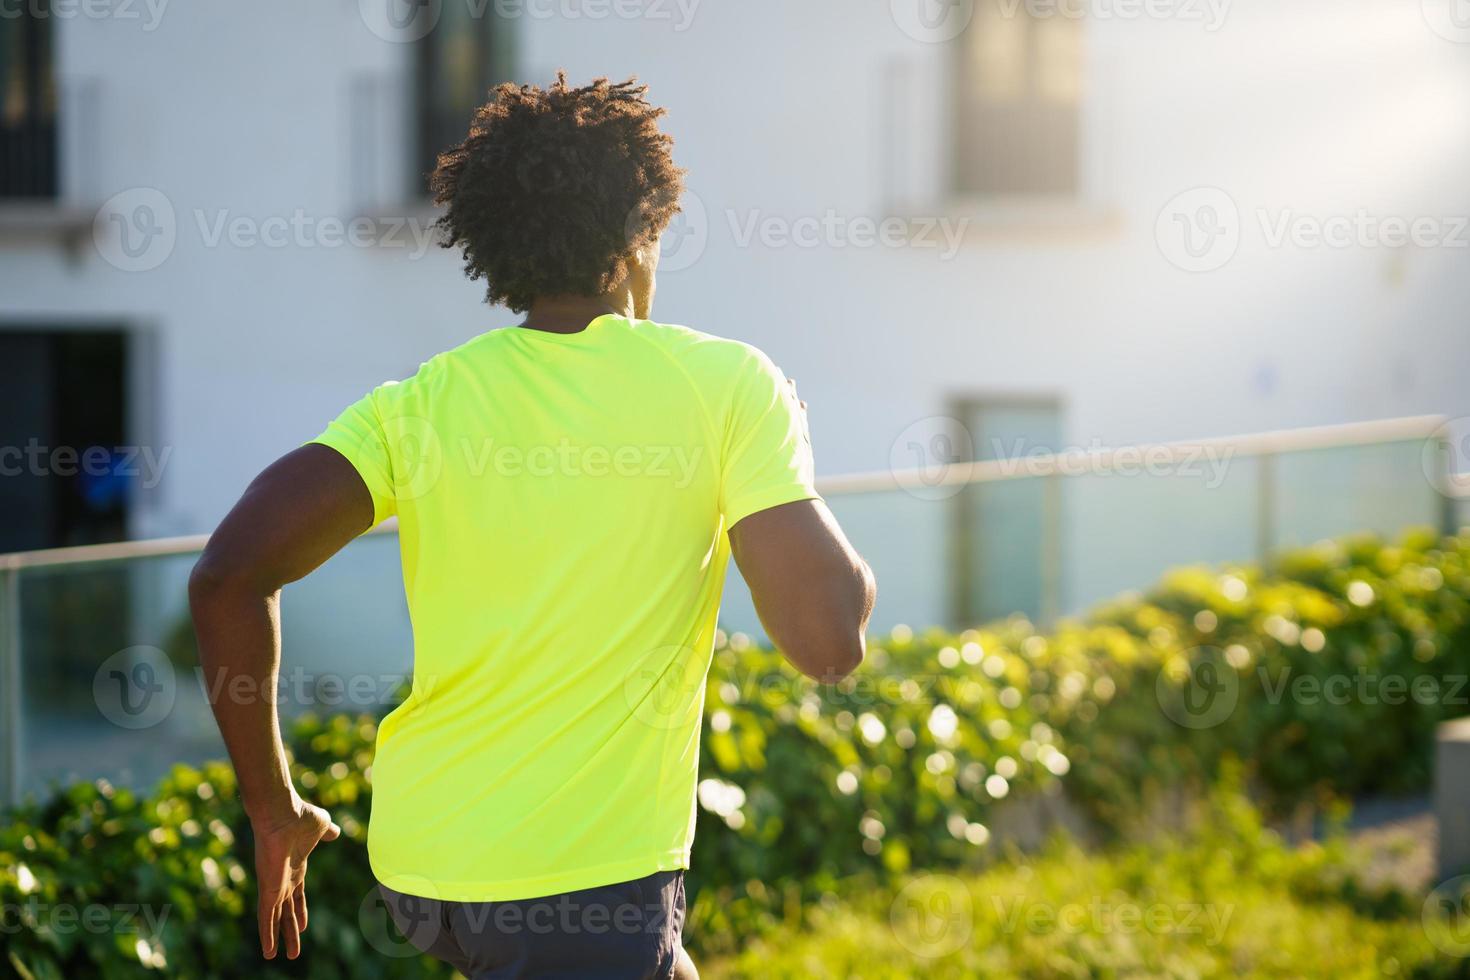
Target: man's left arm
x,y
300,511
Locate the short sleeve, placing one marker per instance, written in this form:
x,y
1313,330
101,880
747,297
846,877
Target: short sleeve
x,y
358,434
769,459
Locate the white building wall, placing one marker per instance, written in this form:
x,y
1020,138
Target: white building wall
x,y
792,110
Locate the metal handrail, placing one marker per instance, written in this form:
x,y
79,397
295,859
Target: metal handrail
x,y
87,554
1053,464
990,471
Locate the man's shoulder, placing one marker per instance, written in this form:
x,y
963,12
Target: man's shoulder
x,y
698,350
438,367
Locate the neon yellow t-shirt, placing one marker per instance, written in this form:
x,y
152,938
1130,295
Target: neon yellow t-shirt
x,y
562,503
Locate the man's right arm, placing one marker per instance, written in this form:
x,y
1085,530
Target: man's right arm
x,y
812,590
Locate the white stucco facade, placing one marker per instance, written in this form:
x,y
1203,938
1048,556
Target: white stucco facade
x,y
794,119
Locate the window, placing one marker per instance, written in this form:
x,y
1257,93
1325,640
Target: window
x,y
1020,78
467,53
66,474
27,103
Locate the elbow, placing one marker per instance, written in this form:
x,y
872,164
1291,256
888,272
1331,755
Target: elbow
x,y
835,651
831,656
215,577
831,660
206,579
841,660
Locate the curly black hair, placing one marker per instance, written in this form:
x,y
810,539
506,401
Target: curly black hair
x,y
554,189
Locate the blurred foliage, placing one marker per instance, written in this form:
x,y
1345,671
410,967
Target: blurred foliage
x,y
1336,664
169,877
918,761
1226,899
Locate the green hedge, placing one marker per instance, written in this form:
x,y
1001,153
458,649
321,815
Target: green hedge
x,y
898,768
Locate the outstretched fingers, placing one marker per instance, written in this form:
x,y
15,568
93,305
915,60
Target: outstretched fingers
x,y
268,915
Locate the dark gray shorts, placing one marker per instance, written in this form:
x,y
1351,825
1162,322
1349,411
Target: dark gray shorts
x,y
628,931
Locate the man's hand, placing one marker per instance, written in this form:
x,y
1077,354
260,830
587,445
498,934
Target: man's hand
x,y
282,845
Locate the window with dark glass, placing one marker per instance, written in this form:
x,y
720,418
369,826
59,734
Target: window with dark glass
x,y
67,476
468,51
27,103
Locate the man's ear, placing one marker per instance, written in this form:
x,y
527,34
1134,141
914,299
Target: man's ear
x,y
642,270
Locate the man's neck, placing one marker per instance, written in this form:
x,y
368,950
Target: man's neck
x,y
571,314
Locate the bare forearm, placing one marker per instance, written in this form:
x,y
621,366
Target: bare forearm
x,y
298,513
239,649
812,590
824,636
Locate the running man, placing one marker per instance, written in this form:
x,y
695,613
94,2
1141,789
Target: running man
x,y
568,494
